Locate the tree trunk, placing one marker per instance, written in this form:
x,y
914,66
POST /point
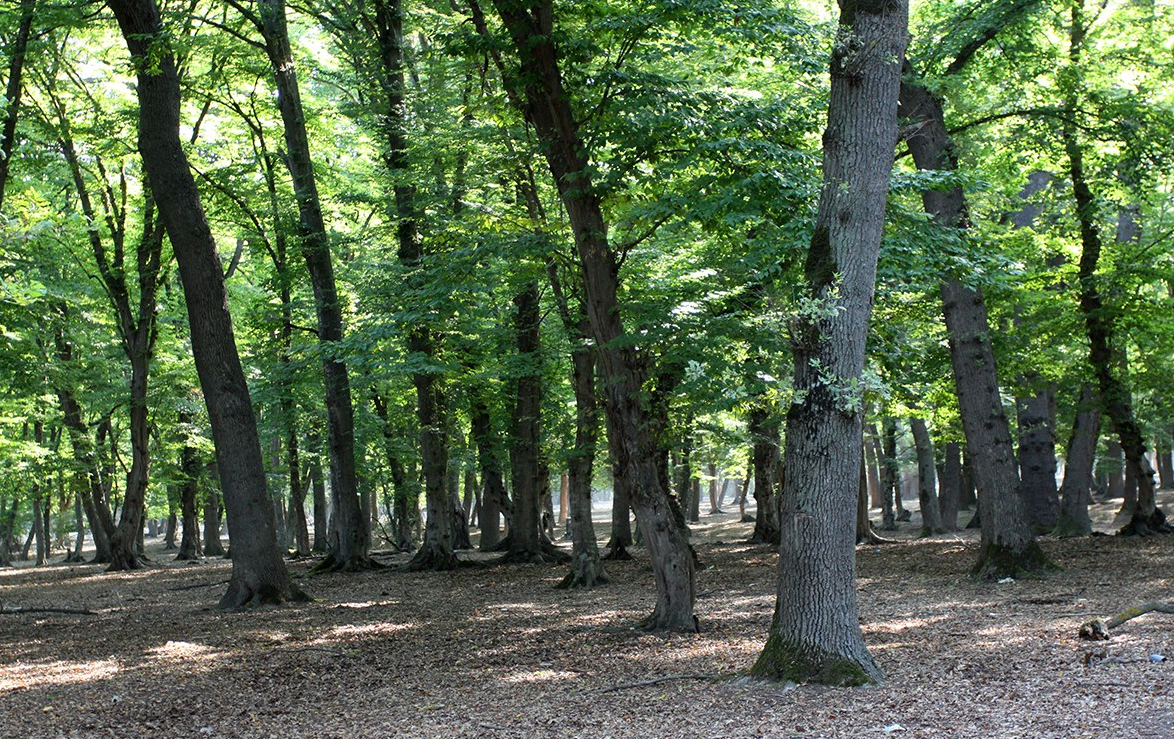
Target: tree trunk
x,y
714,507
258,572
764,435
1106,355
890,474
815,634
524,541
1037,458
1076,490
587,569
950,486
1008,546
351,536
17,49
927,494
321,508
547,107
872,461
1112,466
493,498
189,472
1165,462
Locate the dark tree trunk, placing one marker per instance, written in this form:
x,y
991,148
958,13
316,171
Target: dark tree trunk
x,y
1112,466
489,457
621,512
258,572
405,492
538,88
189,471
927,494
872,462
1165,463
321,508
815,634
1008,545
1076,491
764,435
714,503
350,537
1106,355
950,486
172,524
1037,458
587,569
890,474
524,540
17,49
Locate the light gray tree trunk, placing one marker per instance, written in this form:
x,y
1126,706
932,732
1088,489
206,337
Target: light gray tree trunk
x,y
815,634
927,493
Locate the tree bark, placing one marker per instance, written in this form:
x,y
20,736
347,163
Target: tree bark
x,y
13,88
525,526
1008,546
493,498
587,569
950,486
538,82
927,494
764,435
815,634
1076,490
1037,458
890,474
189,471
258,572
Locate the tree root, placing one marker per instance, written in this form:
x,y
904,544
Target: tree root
x,y
243,595
432,559
1098,629
998,561
358,563
1150,525
617,553
586,572
657,621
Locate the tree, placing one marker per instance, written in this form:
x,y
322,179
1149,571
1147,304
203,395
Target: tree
x,y
815,634
258,572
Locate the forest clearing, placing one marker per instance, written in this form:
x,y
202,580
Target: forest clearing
x,y
497,652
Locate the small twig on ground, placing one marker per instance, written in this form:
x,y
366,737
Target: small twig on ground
x,y
1098,629
199,585
652,681
35,609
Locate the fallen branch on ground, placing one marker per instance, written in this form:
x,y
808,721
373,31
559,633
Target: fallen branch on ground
x,y
35,609
1098,629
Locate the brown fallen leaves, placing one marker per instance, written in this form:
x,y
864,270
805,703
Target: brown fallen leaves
x,y
498,652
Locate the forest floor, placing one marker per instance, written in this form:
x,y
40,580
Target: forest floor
x,y
497,652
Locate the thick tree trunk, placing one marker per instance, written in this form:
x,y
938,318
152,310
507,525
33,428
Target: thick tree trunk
x,y
1008,545
1037,458
815,634
1076,490
548,109
927,494
258,572
524,540
950,486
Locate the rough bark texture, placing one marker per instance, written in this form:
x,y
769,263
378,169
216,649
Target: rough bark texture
x,y
1037,458
1076,490
1008,545
764,434
950,486
258,572
927,493
538,82
815,634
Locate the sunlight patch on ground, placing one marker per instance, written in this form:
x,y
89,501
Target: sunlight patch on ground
x,y
537,676
896,626
364,630
174,650
28,674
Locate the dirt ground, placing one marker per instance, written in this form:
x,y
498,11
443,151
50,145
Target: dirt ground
x,y
497,652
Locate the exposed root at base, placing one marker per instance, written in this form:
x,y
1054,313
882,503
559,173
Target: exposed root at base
x,y
358,563
586,572
1150,525
677,623
241,595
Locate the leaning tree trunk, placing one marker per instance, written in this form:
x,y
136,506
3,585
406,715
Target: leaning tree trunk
x,y
815,635
1076,490
18,47
547,107
927,494
1105,353
350,537
1008,546
258,572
